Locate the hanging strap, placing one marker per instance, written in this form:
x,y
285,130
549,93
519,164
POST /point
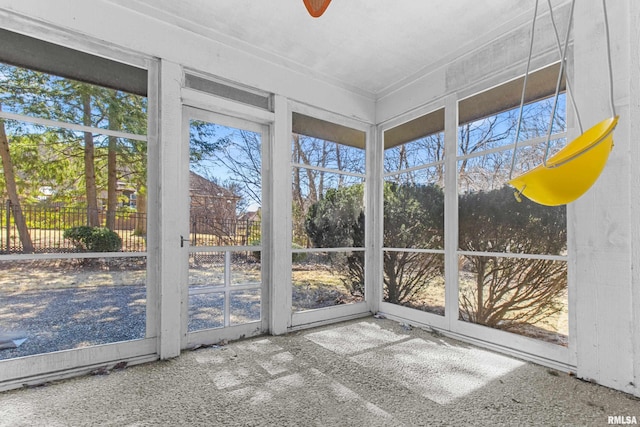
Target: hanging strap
x,y
608,39
559,46
524,90
563,61
610,70
562,66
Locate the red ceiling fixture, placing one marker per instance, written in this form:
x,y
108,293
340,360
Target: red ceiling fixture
x,y
316,7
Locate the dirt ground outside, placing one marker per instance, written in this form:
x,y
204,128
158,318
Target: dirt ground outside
x,y
46,296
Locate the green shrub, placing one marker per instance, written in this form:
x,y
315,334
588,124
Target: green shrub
x,y
94,239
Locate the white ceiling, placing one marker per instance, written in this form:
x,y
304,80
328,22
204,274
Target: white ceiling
x,y
369,46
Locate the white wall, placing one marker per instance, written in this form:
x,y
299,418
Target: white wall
x,y
634,179
494,62
605,221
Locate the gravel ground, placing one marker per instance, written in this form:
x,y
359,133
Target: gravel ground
x,y
369,372
61,319
64,304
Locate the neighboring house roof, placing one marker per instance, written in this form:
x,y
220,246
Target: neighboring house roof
x,y
250,216
201,186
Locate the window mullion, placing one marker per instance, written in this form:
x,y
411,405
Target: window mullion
x,y
71,126
451,210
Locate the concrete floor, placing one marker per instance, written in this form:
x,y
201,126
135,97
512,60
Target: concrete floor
x,y
368,372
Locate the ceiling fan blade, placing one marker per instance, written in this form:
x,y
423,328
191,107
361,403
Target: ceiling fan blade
x,y
316,7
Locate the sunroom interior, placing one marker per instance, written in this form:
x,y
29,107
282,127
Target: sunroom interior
x,y
261,171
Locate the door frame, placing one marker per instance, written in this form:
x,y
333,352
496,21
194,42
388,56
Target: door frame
x,y
204,107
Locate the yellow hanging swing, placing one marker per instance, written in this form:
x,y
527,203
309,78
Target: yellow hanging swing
x,y
568,174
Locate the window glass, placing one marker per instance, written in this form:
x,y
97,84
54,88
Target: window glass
x,y
326,154
524,294
414,210
325,279
225,185
415,280
423,151
61,304
414,214
499,130
225,214
328,199
73,181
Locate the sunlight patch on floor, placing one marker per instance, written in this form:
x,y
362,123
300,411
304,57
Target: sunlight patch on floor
x,y
354,338
263,346
277,364
439,371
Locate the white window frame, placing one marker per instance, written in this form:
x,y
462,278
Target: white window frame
x,y
326,315
395,311
542,352
67,363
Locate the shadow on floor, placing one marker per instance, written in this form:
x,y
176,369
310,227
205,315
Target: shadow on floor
x,y
369,372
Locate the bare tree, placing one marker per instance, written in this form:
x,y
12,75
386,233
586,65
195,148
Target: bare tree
x,y
241,155
9,177
507,292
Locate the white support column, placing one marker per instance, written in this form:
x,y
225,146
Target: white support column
x,y
451,209
153,192
602,218
373,219
172,221
634,131
279,199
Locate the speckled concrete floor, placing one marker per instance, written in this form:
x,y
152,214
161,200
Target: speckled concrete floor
x,y
368,372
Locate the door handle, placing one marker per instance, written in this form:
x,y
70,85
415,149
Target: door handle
x,y
182,240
